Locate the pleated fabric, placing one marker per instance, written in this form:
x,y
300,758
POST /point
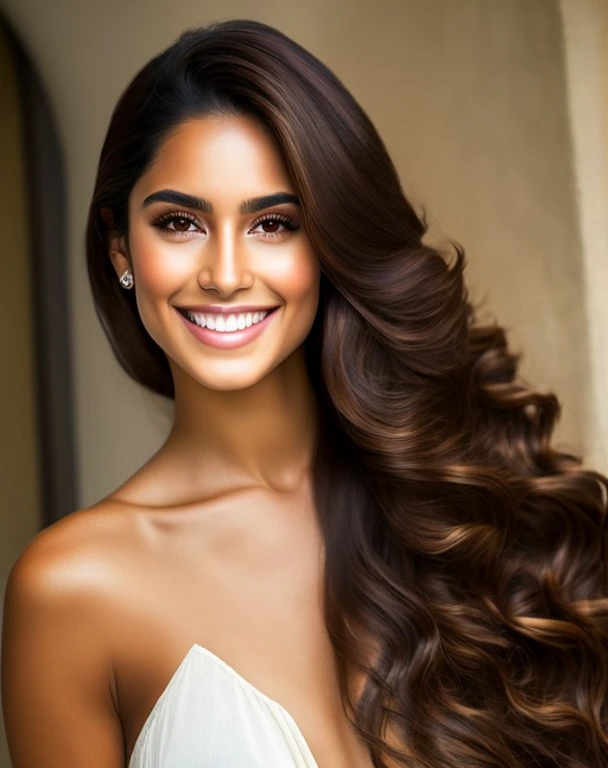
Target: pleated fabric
x,y
209,716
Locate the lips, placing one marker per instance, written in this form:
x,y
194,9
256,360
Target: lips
x,y
230,336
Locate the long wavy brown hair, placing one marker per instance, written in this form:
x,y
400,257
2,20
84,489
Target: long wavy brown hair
x,y
461,548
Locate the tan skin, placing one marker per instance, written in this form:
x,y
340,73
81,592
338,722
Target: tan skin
x,y
214,541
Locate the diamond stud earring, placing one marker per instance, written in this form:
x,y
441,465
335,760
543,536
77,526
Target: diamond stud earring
x,y
126,279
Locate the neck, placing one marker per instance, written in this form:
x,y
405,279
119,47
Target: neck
x,y
264,435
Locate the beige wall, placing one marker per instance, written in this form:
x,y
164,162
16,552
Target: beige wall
x,y
470,97
20,513
586,44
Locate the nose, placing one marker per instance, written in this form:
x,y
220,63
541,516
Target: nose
x,y
225,265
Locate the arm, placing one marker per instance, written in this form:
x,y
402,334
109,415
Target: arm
x,y
57,681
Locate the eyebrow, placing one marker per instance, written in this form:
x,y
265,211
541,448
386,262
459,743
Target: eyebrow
x,y
252,205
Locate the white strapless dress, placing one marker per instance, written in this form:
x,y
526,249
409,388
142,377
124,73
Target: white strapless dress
x,y
209,716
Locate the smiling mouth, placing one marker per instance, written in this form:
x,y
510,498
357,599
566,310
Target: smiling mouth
x,y
226,323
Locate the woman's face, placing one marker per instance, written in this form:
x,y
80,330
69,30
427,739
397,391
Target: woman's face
x,y
216,209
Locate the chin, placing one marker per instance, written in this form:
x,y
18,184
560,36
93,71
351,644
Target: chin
x,y
229,381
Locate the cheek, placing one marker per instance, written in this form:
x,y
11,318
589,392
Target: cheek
x,y
158,269
159,274
296,276
297,282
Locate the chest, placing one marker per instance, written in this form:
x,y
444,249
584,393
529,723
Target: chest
x,y
241,620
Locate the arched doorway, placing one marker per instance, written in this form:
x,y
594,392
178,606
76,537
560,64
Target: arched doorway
x,y
37,443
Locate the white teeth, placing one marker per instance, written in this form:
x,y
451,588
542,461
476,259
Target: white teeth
x,y
226,323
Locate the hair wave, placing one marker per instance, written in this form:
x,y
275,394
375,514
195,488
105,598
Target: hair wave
x,y
466,559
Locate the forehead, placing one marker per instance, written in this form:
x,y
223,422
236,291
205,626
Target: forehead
x,y
217,156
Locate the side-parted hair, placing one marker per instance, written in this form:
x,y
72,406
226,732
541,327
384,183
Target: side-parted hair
x,y
466,559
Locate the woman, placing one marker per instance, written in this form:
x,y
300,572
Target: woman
x,y
356,547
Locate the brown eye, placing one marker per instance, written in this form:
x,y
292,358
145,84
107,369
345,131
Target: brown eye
x,y
270,225
275,225
177,223
181,225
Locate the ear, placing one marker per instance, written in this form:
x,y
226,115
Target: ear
x,y
119,254
118,251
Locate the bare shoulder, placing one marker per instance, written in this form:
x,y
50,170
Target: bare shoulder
x,y
58,643
75,555
72,573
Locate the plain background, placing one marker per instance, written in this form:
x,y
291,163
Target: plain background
x,y
495,113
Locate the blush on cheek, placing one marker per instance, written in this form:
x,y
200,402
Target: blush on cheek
x,y
303,296
160,270
295,278
158,276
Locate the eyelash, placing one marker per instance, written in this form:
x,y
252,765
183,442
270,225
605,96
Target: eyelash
x,y
167,218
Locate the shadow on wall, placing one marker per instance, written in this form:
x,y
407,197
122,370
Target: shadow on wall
x,y
37,472
36,285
